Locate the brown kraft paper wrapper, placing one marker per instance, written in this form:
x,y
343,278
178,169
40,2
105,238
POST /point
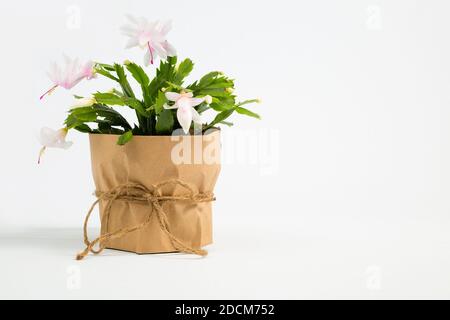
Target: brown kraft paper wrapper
x,y
149,160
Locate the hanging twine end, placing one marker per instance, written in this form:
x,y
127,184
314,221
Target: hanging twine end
x,y
82,255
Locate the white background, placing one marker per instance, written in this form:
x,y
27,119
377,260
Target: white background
x,y
355,201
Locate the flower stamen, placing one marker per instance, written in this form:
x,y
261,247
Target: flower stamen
x,y
48,92
151,53
41,153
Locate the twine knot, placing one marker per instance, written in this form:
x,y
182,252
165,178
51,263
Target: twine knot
x,y
153,197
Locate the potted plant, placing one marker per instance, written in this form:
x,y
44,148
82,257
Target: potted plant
x,y
154,178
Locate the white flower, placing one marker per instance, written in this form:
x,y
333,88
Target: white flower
x,y
50,138
185,103
84,102
71,75
150,36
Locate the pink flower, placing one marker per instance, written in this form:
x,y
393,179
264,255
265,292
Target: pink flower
x,y
185,103
150,36
71,75
50,138
88,70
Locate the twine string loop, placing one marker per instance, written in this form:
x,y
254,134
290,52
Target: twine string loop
x,y
154,198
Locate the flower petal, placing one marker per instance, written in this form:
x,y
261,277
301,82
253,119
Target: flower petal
x,y
196,101
55,73
184,116
88,71
132,18
165,27
170,50
144,23
196,117
129,31
160,51
66,145
172,96
47,136
50,138
132,42
147,58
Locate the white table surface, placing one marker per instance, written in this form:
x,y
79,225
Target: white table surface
x,y
268,260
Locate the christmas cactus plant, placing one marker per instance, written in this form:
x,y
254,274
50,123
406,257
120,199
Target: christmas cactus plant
x,y
166,102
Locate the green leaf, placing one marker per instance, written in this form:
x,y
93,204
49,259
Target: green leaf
x,y
142,78
183,70
222,105
220,83
247,112
81,115
138,73
80,110
165,122
243,103
203,107
109,99
208,79
227,123
71,121
219,87
136,105
104,127
84,128
112,115
214,92
126,88
175,86
105,66
220,117
105,70
164,73
115,100
86,116
160,101
117,92
125,138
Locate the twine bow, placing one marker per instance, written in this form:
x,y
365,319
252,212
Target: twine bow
x,y
134,192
